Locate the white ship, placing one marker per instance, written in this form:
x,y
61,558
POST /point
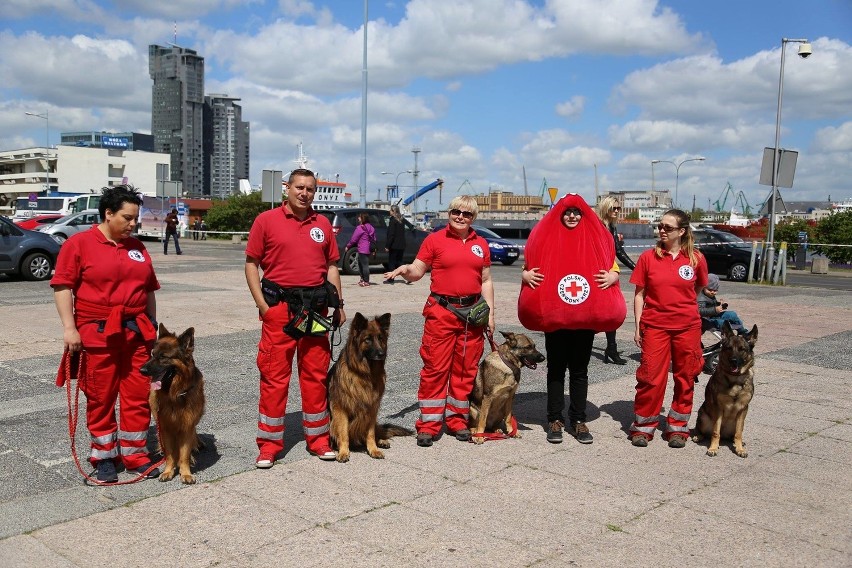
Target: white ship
x,y
330,194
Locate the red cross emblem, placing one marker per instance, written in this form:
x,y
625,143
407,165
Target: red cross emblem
x,y
574,289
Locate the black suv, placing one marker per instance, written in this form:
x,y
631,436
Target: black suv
x,y
344,221
28,253
726,253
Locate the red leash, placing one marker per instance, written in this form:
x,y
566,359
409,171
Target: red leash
x,y
68,372
513,427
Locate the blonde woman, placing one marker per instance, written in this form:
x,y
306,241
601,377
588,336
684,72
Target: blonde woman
x,y
668,329
608,211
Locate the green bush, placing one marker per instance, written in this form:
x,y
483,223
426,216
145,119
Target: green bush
x,y
788,232
835,229
236,213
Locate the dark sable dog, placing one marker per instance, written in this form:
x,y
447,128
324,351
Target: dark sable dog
x,y
177,400
497,382
356,384
728,393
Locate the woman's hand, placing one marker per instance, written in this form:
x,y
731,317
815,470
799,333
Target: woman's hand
x,y
532,277
637,338
71,338
606,278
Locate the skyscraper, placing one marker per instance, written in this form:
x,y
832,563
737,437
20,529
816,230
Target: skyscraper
x,y
177,111
226,145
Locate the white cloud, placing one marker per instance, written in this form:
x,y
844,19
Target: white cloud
x,y
573,108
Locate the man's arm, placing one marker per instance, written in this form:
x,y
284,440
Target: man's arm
x,y
252,270
333,276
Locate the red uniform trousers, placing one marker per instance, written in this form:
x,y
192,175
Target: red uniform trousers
x,y
450,352
275,363
113,372
681,347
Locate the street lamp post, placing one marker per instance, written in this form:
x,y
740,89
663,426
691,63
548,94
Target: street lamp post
x,y
46,118
677,171
804,52
397,176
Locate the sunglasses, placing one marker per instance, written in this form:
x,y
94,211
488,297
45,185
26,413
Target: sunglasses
x,y
666,228
573,211
466,214
616,209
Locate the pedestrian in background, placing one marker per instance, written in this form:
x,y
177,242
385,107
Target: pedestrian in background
x,y
364,240
395,241
172,223
196,229
203,228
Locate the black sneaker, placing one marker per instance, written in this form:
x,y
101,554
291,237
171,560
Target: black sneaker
x,y
106,472
554,432
154,473
424,440
463,435
581,432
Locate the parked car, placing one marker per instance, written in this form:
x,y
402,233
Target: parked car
x,y
344,221
727,254
72,224
33,223
502,250
29,254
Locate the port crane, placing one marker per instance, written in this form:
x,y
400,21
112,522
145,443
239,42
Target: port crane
x,y
739,199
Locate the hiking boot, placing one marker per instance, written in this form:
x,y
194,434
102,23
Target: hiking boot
x,y
463,435
154,473
677,441
554,432
424,440
106,471
639,441
581,432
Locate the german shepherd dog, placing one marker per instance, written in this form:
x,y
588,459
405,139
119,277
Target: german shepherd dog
x,y
356,384
177,400
728,393
497,382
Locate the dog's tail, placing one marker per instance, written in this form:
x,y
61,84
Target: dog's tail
x,y
387,430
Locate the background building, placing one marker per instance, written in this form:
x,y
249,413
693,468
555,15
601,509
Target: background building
x,y
177,110
225,146
119,140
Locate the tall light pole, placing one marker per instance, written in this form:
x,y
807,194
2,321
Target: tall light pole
x,y
46,118
397,176
677,171
804,52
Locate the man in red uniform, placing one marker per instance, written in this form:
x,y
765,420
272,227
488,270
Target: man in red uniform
x,y
104,291
297,252
450,348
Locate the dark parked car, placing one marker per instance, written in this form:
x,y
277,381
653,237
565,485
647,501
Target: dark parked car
x,y
726,254
501,250
28,253
344,221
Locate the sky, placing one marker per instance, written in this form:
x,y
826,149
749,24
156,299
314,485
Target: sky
x,y
498,95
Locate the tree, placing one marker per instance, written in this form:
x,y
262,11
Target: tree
x,y
633,215
236,213
788,232
835,229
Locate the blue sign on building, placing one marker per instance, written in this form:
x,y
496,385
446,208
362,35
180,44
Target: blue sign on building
x,y
114,142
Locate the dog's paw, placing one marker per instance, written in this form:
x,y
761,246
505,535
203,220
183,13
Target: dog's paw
x,y
187,479
711,452
696,438
741,452
517,434
478,439
377,454
167,475
383,444
342,457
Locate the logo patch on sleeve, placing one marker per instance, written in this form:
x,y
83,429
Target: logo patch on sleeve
x,y
136,255
477,250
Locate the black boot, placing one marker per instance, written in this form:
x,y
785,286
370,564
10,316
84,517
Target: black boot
x,y
611,356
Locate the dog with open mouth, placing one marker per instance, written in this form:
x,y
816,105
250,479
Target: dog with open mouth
x,y
496,384
177,400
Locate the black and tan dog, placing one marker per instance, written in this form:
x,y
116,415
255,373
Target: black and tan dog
x,y
496,384
177,400
728,393
356,384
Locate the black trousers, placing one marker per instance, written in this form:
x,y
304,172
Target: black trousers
x,y
571,350
394,259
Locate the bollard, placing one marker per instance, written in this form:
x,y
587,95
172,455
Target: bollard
x,y
236,239
819,265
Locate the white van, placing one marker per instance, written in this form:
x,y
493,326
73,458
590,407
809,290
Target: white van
x,y
72,224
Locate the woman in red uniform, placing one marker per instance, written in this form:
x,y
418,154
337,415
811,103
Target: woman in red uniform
x,y
451,348
104,291
668,329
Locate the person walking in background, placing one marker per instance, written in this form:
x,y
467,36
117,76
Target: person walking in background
x,y
203,228
104,288
196,229
172,223
450,348
668,329
395,241
570,291
364,240
608,211
714,310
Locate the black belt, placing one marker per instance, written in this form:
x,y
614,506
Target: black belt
x,y
274,294
458,300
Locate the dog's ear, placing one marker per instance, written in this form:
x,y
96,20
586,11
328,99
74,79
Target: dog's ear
x,y
162,331
751,336
384,322
187,340
508,336
359,323
727,330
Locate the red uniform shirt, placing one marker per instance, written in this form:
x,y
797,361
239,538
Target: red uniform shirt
x,y
670,297
456,265
292,252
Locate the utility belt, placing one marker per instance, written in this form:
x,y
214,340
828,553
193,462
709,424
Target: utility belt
x,y
127,324
305,305
471,309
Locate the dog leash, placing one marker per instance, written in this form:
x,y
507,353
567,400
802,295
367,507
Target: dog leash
x,y
67,374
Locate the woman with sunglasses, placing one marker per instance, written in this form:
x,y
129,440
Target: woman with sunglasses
x,y
668,329
450,348
570,292
608,211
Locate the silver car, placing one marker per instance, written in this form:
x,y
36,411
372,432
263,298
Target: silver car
x,y
72,224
